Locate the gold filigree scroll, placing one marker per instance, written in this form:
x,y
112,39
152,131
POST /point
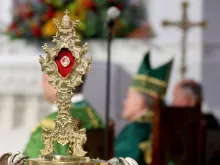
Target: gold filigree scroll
x,y
66,130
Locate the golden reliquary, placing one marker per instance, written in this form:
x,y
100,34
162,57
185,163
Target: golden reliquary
x,y
65,64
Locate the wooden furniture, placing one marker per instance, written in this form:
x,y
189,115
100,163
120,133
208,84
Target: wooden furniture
x,y
211,143
95,142
212,147
177,135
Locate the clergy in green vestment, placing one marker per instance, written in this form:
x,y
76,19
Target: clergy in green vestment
x,y
81,111
135,138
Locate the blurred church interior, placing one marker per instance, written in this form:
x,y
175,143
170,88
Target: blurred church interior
x,y
22,104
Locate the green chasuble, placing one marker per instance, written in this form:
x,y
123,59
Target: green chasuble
x,y
128,141
82,111
135,139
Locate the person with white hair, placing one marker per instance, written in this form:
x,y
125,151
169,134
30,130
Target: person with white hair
x,y
187,93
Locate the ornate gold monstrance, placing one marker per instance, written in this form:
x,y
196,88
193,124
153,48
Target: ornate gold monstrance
x,y
65,64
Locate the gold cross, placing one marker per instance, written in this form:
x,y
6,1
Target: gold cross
x,y
66,12
184,24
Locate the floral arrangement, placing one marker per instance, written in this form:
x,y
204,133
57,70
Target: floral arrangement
x,y
33,20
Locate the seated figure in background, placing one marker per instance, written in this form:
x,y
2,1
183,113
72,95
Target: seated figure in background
x,y
187,93
81,111
135,139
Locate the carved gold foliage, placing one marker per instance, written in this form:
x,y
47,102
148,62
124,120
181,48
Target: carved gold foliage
x,y
66,130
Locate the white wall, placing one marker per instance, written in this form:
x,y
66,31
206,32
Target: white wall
x,y
211,58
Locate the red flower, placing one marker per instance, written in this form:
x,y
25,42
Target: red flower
x,y
12,26
50,12
29,14
120,6
36,32
90,4
26,11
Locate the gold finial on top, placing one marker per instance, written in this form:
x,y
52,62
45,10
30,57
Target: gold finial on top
x,y
66,12
65,64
